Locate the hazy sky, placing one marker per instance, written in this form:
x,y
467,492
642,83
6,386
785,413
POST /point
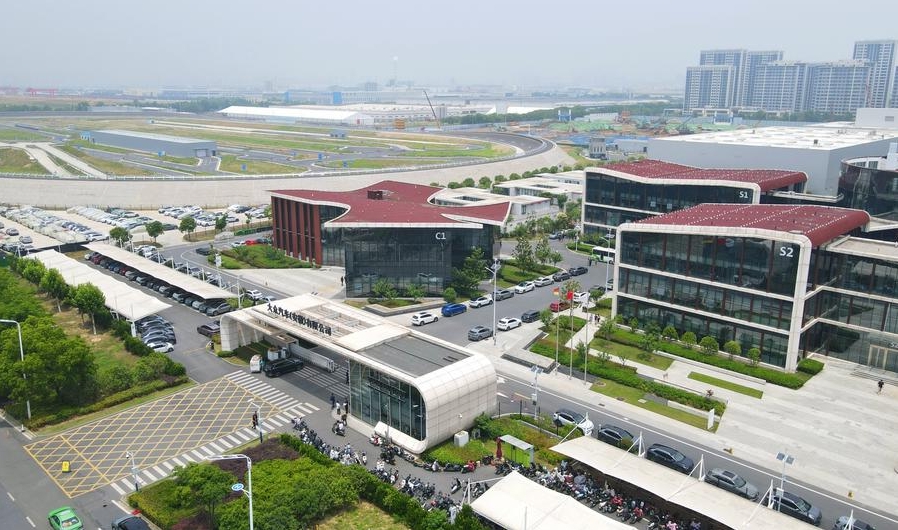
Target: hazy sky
x,y
297,43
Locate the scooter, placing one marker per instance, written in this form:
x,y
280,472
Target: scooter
x,y
456,485
339,428
375,440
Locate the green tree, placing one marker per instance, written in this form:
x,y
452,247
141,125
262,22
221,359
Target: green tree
x,y
754,356
415,291
89,299
542,251
34,271
119,235
732,348
114,379
689,339
650,338
221,222
467,279
633,323
54,284
560,200
208,484
468,182
384,289
546,316
555,258
606,328
187,226
523,254
154,229
449,295
669,333
150,367
77,382
484,183
709,345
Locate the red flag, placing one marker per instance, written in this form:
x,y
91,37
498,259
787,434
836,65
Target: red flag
x,y
570,295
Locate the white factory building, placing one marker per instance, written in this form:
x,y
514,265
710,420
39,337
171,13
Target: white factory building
x,y
318,115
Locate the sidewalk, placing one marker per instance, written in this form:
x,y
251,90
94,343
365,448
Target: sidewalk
x,y
840,431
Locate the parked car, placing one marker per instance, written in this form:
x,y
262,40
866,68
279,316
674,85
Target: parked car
x,y
561,276
669,457
727,480
25,240
842,524
524,287
130,522
503,294
208,329
220,309
569,417
581,298
531,315
282,366
64,518
559,305
479,333
161,347
203,251
577,271
12,231
609,285
450,310
614,435
423,317
793,506
254,294
543,281
508,323
481,301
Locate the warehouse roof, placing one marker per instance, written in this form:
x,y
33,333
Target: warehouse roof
x,y
766,179
398,204
816,138
293,113
152,136
819,224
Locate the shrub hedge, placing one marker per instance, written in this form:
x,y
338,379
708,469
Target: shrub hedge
x,y
810,366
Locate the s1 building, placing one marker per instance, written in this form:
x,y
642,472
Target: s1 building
x,y
791,280
390,230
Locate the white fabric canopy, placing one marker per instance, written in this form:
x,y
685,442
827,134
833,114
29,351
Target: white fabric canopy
x,y
691,493
120,297
161,272
516,502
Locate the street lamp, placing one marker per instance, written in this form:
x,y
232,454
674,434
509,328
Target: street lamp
x,y
22,357
785,459
248,490
130,456
495,270
536,371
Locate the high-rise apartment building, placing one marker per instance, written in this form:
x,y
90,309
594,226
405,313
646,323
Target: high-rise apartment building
x,y
881,56
709,87
837,87
743,64
753,60
778,86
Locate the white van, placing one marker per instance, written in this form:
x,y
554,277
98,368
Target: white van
x,y
255,364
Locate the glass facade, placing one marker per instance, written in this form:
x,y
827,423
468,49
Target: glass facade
x,y
377,397
864,187
406,256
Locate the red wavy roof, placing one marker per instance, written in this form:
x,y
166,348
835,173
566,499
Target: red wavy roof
x,y
767,179
818,223
402,203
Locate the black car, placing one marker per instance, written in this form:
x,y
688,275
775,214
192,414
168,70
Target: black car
x,y
727,480
614,435
577,271
561,276
530,316
793,506
130,522
282,366
204,251
669,457
842,524
208,329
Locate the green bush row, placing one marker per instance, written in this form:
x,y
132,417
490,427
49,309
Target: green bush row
x,y
159,504
115,399
810,366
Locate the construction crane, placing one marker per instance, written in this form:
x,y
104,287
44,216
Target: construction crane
x,y
439,125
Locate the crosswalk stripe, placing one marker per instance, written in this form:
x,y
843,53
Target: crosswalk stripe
x,y
275,422
177,462
159,471
284,402
305,408
207,450
117,488
147,473
224,443
169,466
199,456
188,458
216,447
234,439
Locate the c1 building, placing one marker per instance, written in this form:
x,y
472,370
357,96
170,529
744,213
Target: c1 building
x,y
791,280
390,230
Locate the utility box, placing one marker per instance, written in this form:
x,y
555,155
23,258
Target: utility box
x,y
461,439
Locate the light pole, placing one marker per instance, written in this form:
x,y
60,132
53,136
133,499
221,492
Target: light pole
x,y
785,458
495,270
248,490
536,371
22,357
130,456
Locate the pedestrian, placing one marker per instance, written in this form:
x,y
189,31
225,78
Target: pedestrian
x,y
880,384
341,281
333,401
665,376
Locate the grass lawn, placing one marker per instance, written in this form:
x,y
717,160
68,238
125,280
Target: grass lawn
x,y
262,257
233,164
20,135
633,397
364,516
631,353
726,384
394,303
18,161
358,304
381,163
106,166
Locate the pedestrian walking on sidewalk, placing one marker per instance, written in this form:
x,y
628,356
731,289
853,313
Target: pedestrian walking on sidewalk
x,y
880,384
333,401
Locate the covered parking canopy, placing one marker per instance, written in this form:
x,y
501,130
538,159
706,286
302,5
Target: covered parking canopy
x,y
690,493
516,502
161,272
120,297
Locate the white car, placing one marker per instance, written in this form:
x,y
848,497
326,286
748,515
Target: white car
x,y
542,281
423,317
581,298
254,294
524,287
161,347
481,301
506,324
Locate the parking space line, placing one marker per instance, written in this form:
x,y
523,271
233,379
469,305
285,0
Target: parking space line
x,y
236,441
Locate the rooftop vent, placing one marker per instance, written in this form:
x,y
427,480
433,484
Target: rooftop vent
x,y
376,195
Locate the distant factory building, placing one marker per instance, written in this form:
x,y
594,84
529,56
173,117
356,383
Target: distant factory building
x,y
323,116
153,143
